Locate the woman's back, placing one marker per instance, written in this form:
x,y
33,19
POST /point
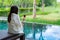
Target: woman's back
x,y
15,25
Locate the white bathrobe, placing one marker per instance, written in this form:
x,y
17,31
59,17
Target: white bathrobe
x,y
15,25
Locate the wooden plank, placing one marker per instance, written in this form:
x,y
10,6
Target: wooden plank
x,y
5,36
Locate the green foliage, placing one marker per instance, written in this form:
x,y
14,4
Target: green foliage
x,y
7,2
37,13
48,2
28,13
42,13
25,3
4,11
27,9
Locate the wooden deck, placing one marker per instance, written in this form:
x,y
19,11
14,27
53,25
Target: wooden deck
x,y
5,36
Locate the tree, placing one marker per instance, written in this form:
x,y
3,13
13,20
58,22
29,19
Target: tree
x,y
42,5
47,2
55,3
7,3
34,8
2,3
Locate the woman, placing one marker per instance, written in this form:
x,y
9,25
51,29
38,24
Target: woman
x,y
14,23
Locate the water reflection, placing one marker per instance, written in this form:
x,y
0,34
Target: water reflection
x,y
42,32
52,33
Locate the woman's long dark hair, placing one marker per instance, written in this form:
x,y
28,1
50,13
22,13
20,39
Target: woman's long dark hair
x,y
14,9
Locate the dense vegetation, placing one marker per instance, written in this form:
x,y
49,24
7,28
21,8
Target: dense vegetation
x,y
25,3
50,15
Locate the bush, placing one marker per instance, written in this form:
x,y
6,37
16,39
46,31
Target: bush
x,y
28,13
4,13
26,9
42,13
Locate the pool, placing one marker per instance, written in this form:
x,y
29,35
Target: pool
x,y
35,31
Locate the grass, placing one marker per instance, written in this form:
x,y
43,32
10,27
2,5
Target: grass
x,y
51,15
52,18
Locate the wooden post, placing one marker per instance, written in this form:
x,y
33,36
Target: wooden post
x,y
22,37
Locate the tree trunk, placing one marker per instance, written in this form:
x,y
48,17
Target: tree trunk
x,y
2,3
42,5
55,3
34,9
